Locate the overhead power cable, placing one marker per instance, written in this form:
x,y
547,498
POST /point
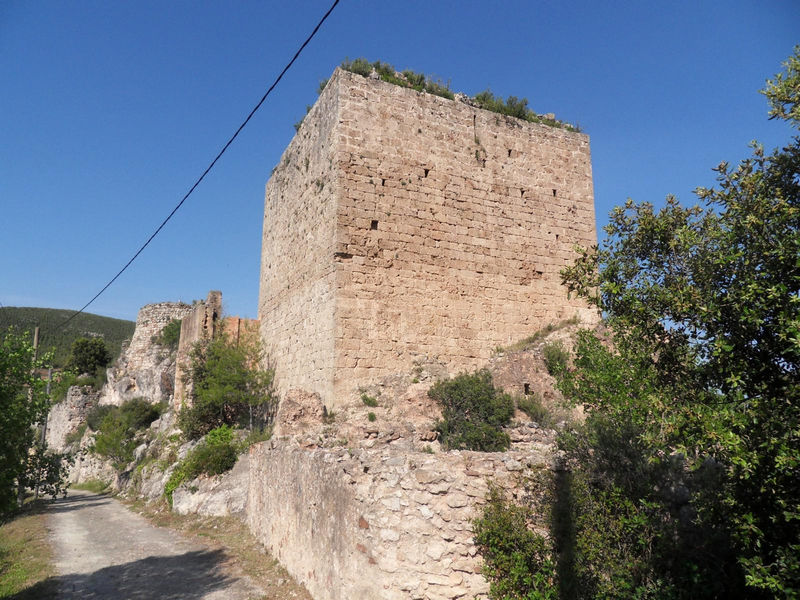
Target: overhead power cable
x,y
208,168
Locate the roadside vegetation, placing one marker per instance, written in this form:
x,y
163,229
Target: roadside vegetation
x,y
684,479
25,556
229,387
25,461
121,428
232,406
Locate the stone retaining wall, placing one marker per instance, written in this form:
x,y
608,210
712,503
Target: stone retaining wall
x,y
377,524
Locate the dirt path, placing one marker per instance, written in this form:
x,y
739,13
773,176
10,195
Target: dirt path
x,y
104,551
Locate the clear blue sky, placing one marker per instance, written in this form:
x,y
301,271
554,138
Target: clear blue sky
x,y
110,110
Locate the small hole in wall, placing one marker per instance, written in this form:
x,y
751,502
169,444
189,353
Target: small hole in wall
x,y
374,225
556,237
527,388
522,193
509,153
383,182
554,193
366,469
427,171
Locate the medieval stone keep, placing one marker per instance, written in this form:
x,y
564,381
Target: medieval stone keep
x,y
402,226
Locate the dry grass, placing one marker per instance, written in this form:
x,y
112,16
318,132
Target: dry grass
x,y
245,555
530,341
26,556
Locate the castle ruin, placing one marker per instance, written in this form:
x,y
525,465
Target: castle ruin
x,y
402,226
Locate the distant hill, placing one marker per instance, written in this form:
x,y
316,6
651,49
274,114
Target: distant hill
x,y
113,331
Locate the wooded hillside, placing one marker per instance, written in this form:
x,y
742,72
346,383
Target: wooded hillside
x,y
113,331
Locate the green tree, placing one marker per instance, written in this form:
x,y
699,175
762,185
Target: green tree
x,y
691,447
229,387
23,403
88,355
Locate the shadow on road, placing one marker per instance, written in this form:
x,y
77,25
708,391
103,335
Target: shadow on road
x,y
187,576
76,502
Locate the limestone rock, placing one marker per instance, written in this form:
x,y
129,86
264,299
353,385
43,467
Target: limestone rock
x,y
298,412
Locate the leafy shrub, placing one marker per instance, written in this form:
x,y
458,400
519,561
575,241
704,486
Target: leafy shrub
x,y
360,66
532,406
46,471
473,412
68,378
177,477
229,388
214,455
368,400
117,429
371,417
60,385
556,357
138,413
75,436
170,335
515,107
518,562
96,416
408,78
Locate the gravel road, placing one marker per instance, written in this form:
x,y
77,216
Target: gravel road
x,y
105,551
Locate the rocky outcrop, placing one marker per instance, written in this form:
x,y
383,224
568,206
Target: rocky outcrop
x,y
145,369
67,416
153,379
220,496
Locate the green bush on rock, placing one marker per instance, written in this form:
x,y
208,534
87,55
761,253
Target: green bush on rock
x,y
473,412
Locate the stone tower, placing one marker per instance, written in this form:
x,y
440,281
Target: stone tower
x,y
400,225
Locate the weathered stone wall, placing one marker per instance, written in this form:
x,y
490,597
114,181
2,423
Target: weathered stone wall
x,y
296,302
68,415
451,224
149,322
238,329
145,370
359,524
199,322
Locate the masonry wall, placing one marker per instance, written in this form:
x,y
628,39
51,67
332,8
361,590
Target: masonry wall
x,y
458,221
144,370
376,524
150,320
296,300
199,322
439,233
